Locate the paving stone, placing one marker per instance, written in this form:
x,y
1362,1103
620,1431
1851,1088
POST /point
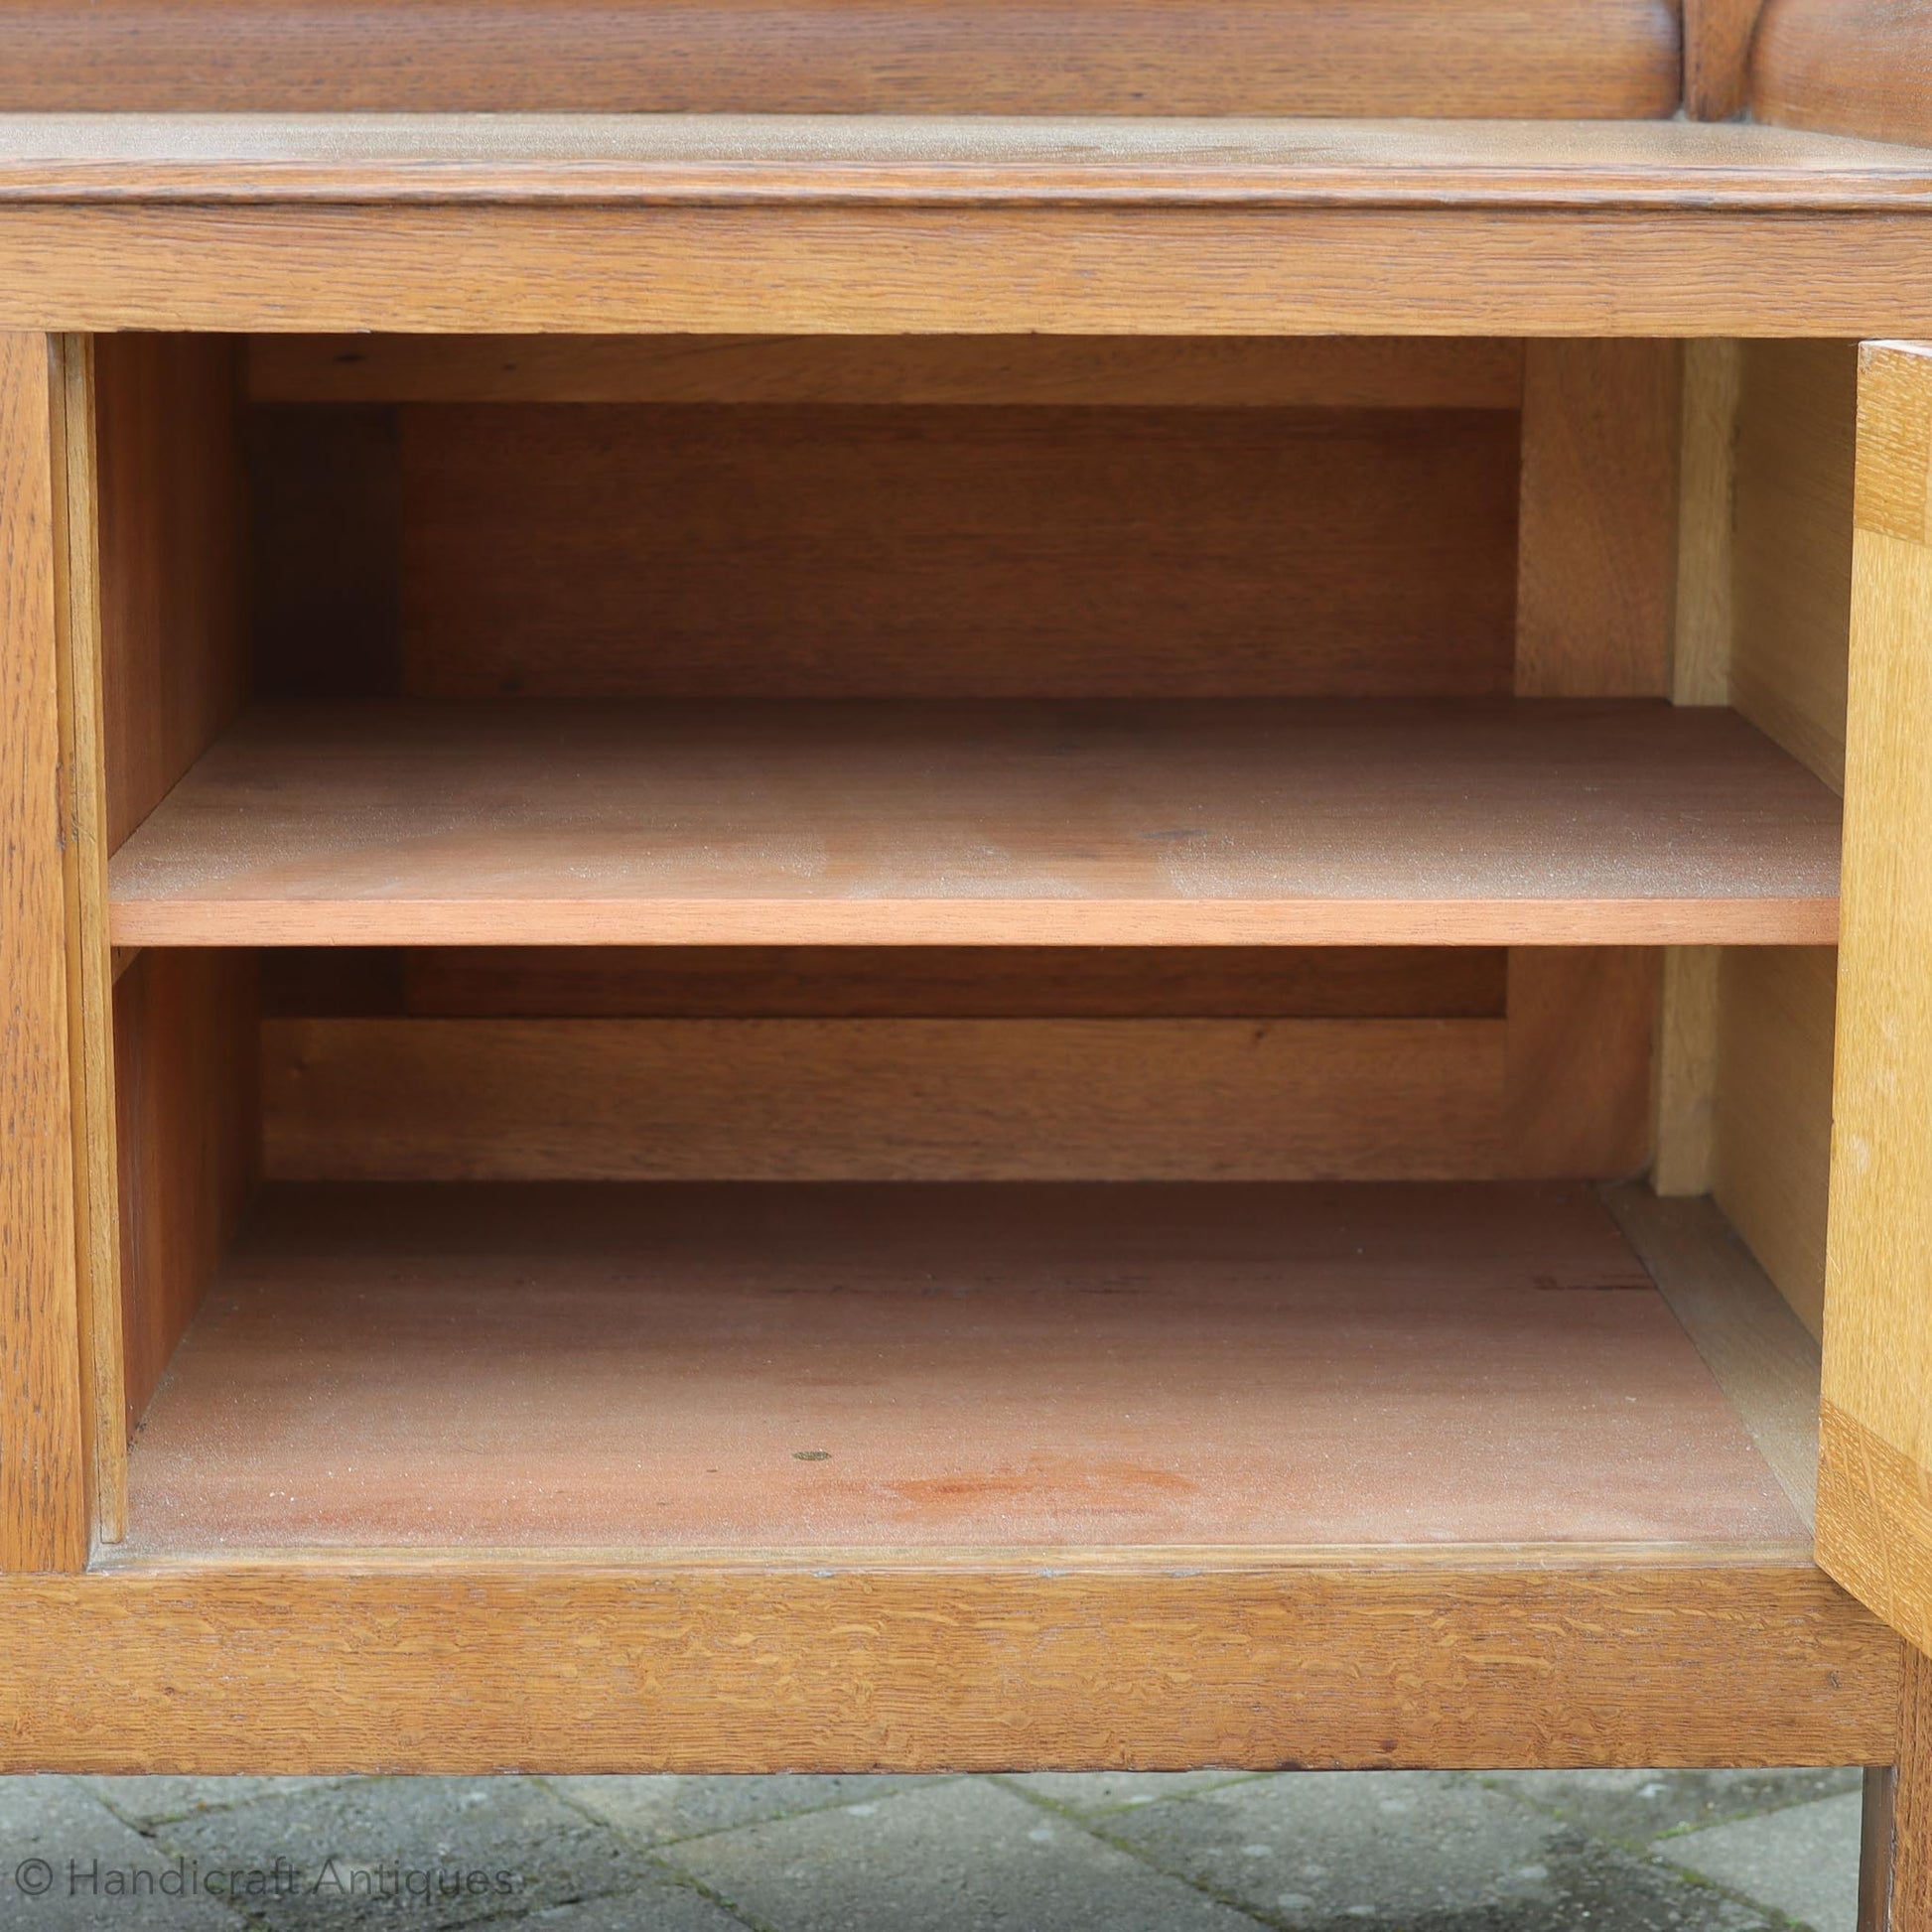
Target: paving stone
x,y
657,1810
663,1905
1803,1860
1631,1806
154,1800
967,1856
422,1852
1102,1791
1335,1850
68,1864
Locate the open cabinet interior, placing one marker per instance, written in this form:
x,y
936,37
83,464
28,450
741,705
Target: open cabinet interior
x,y
941,943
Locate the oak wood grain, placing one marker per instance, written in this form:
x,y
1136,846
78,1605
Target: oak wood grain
x,y
918,160
1796,442
886,1099
1510,823
90,1009
1598,556
1771,1134
1875,1527
1860,66
1321,371
44,1453
950,1663
1027,57
909,1367
1211,271
1716,57
854,551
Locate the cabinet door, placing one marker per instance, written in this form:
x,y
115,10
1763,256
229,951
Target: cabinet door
x,y
1874,1495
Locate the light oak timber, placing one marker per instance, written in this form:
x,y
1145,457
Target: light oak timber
x,y
904,1367
1908,1891
1771,1116
1028,57
1716,57
1204,271
1012,1100
1874,1526
1597,551
1791,576
848,551
45,1506
954,1662
1878,1823
1705,618
795,161
522,822
90,969
1689,1017
1326,372
1763,1359
1863,67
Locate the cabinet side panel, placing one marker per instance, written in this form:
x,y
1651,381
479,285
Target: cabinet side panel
x,y
1875,1522
44,1505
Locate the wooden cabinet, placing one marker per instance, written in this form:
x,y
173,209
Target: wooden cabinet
x,y
838,941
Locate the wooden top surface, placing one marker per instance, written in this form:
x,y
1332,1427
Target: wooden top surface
x,y
940,1367
725,159
1121,822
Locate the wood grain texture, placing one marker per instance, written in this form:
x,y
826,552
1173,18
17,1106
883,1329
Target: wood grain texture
x,y
1763,1358
1686,1093
1205,271
882,1099
1579,1073
1716,57
1015,57
853,551
44,1451
1874,1524
173,671
812,1369
1598,557
927,161
188,1131
531,823
1878,1817
1771,1154
1705,619
1909,1891
1860,66
1309,372
90,970
944,983
1797,432
956,1663
1895,467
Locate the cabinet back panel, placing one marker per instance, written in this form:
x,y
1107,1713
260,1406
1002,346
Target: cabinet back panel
x,y
972,551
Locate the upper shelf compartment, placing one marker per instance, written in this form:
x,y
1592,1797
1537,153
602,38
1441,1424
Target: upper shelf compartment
x,y
540,822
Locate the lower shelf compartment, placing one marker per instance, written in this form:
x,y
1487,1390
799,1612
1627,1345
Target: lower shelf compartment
x,y
940,1368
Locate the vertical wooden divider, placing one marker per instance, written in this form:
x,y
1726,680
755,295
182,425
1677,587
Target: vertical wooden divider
x,y
44,1489
91,1002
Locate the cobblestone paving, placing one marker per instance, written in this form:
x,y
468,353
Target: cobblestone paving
x,y
1434,1852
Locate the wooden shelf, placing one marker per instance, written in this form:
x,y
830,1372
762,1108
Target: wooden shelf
x,y
942,1369
1505,823
927,159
